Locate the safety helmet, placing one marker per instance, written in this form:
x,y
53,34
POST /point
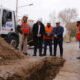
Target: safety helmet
x,y
25,15
78,21
39,19
49,22
57,21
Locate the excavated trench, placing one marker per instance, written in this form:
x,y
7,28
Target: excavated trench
x,y
44,69
15,66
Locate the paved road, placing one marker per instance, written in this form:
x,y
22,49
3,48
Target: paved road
x,y
71,69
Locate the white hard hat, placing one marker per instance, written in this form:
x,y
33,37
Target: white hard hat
x,y
39,19
48,21
57,21
25,15
78,19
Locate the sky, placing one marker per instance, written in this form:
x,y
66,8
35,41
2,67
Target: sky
x,y
41,8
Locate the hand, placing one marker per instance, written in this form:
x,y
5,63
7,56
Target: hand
x,y
27,36
77,30
55,36
48,35
39,35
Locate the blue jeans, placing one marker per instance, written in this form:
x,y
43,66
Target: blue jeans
x,y
46,43
60,43
79,44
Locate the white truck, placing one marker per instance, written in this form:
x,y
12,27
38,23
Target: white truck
x,y
8,27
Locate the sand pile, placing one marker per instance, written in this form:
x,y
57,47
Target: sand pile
x,y
8,53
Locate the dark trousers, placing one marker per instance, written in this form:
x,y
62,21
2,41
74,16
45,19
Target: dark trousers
x,y
56,42
46,43
38,44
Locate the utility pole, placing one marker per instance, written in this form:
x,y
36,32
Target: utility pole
x,y
1,4
16,9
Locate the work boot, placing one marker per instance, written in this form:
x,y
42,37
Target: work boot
x,y
25,54
34,55
51,55
44,55
78,57
61,56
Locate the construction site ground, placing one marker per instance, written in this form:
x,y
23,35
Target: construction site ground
x,y
16,66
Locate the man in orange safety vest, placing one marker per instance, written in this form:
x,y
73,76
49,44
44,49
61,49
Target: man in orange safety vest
x,y
23,35
48,37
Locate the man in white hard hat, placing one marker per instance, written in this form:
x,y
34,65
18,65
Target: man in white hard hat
x,y
58,38
38,31
23,35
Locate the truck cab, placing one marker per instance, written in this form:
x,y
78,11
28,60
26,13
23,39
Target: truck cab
x,y
8,26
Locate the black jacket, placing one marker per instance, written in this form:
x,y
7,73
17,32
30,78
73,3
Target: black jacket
x,y
35,31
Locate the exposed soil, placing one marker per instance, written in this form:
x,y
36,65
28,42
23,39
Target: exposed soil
x,y
8,53
14,66
32,69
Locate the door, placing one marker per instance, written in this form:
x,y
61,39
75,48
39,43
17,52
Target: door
x,y
7,22
0,20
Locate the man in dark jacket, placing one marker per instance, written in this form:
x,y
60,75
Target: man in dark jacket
x,y
58,38
38,31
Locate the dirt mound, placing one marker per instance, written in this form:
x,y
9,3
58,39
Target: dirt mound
x,y
34,69
47,69
8,53
29,68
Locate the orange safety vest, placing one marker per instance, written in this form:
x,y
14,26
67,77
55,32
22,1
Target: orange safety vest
x,y
78,32
25,28
78,35
48,30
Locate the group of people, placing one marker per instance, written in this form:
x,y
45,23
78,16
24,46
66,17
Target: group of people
x,y
41,34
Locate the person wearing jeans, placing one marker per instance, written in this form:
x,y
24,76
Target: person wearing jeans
x,y
58,38
48,37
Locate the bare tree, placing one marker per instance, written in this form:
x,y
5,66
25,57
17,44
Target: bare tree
x,y
53,17
68,16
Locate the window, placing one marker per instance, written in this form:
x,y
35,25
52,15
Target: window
x,y
7,16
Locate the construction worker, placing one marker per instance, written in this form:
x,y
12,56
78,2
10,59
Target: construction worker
x,y
78,32
48,37
23,35
58,38
38,31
